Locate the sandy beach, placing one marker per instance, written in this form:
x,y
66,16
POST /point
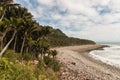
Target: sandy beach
x,y
78,65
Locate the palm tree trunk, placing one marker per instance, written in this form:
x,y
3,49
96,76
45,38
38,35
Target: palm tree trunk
x,y
23,43
27,49
7,45
2,16
2,40
15,42
42,54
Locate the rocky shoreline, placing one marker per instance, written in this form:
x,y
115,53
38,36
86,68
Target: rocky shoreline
x,y
78,65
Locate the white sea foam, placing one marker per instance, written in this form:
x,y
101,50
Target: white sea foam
x,y
109,55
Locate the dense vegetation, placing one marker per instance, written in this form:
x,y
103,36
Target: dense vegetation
x,y
25,45
58,38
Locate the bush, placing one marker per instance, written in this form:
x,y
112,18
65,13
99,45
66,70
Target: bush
x,y
27,56
10,71
12,56
4,64
21,73
4,68
50,62
53,53
55,65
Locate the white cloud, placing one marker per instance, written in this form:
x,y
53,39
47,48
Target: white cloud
x,y
102,33
98,20
115,5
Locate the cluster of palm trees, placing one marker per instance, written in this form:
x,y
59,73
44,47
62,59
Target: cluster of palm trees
x,y
20,32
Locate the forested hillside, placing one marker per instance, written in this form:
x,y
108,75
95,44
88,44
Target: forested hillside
x,y
58,38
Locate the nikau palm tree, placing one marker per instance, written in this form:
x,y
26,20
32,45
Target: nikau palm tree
x,y
27,32
4,49
5,29
5,4
14,23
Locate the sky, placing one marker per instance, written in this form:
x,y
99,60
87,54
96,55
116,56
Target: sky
x,y
97,20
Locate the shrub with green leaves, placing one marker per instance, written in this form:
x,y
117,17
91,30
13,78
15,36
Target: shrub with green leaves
x,y
12,56
10,71
53,53
27,56
21,73
48,61
5,67
51,62
55,65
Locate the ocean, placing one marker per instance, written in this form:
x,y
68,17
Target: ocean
x,y
109,55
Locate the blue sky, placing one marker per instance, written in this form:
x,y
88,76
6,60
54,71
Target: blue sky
x,y
98,20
